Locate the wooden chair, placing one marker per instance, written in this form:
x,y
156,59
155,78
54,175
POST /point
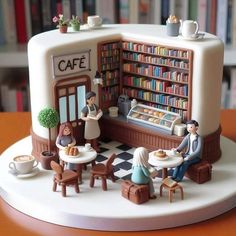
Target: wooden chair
x,y
64,178
103,171
171,185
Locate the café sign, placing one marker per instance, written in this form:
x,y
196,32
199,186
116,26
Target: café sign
x,y
71,63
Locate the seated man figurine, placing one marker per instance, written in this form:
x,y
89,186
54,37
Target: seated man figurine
x,y
193,144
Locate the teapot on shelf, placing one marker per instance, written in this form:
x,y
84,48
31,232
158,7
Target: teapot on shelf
x,y
189,28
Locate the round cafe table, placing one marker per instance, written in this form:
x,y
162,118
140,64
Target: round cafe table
x,y
83,157
169,161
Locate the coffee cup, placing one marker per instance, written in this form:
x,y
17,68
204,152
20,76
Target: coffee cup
x,y
94,21
23,164
87,146
173,152
189,28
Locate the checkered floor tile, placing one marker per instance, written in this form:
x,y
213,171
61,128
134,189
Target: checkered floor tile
x,y
123,162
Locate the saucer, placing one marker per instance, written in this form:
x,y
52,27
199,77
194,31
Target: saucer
x,y
193,38
95,27
173,155
34,172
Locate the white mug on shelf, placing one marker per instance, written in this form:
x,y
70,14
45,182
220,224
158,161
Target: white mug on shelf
x,y
94,21
189,28
23,164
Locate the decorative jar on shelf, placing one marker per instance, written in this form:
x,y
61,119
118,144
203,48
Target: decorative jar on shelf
x,y
75,23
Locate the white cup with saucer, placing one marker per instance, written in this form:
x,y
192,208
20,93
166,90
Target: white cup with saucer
x,y
23,164
189,29
94,21
87,147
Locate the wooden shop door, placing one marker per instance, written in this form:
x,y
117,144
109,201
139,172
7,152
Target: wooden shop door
x,y
70,100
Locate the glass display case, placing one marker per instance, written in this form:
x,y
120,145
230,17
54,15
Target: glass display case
x,y
152,117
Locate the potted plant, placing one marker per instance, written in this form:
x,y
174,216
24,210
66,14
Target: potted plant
x,y
75,23
48,118
62,23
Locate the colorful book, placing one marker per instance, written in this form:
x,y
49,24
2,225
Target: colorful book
x,y
2,30
8,10
193,10
46,15
36,16
233,39
28,19
232,99
106,9
221,23
155,12
202,14
20,21
179,8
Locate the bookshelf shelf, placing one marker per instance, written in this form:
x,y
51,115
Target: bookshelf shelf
x,y
109,67
163,85
13,55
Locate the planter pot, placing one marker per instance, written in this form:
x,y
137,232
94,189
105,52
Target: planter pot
x,y
76,27
63,28
45,159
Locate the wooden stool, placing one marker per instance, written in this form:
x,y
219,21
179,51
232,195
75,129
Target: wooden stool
x,y
171,185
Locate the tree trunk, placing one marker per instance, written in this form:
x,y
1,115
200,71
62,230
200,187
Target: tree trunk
x,y
49,141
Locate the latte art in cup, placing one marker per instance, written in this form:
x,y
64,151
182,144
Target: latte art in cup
x,y
23,158
23,164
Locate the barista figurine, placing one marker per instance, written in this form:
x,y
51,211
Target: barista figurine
x,y
91,114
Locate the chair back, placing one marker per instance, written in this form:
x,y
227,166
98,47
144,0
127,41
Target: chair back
x,y
110,161
57,168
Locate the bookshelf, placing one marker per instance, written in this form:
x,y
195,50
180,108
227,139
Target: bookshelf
x,y
109,68
38,17
158,76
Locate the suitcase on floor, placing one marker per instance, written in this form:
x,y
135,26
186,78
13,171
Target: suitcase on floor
x,y
200,172
135,193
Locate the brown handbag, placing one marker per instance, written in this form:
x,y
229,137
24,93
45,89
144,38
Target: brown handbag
x,y
134,192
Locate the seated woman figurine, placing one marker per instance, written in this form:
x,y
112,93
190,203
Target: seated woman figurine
x,y
141,173
65,137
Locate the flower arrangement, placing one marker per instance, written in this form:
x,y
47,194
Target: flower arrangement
x,y
60,20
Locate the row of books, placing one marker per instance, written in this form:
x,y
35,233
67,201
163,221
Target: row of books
x,y
21,19
156,60
14,97
156,50
156,85
166,100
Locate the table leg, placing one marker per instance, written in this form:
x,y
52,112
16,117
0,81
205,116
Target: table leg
x,y
164,173
79,172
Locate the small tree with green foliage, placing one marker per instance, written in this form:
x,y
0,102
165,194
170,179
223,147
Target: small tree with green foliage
x,y
48,118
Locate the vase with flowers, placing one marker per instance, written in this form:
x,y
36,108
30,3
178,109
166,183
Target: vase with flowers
x,y
75,23
62,23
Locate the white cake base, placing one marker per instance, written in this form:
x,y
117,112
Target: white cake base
x,y
95,209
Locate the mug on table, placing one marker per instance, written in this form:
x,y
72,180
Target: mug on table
x,y
94,21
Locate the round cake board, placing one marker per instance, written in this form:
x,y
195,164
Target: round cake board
x,y
96,209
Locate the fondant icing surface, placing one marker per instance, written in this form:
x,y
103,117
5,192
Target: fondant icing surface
x,y
95,209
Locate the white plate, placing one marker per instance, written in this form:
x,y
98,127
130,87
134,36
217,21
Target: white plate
x,y
197,37
34,172
175,155
161,158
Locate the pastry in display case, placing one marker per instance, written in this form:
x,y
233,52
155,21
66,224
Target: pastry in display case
x,y
159,119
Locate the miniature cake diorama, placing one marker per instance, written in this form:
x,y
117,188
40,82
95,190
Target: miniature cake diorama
x,y
156,82
172,80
